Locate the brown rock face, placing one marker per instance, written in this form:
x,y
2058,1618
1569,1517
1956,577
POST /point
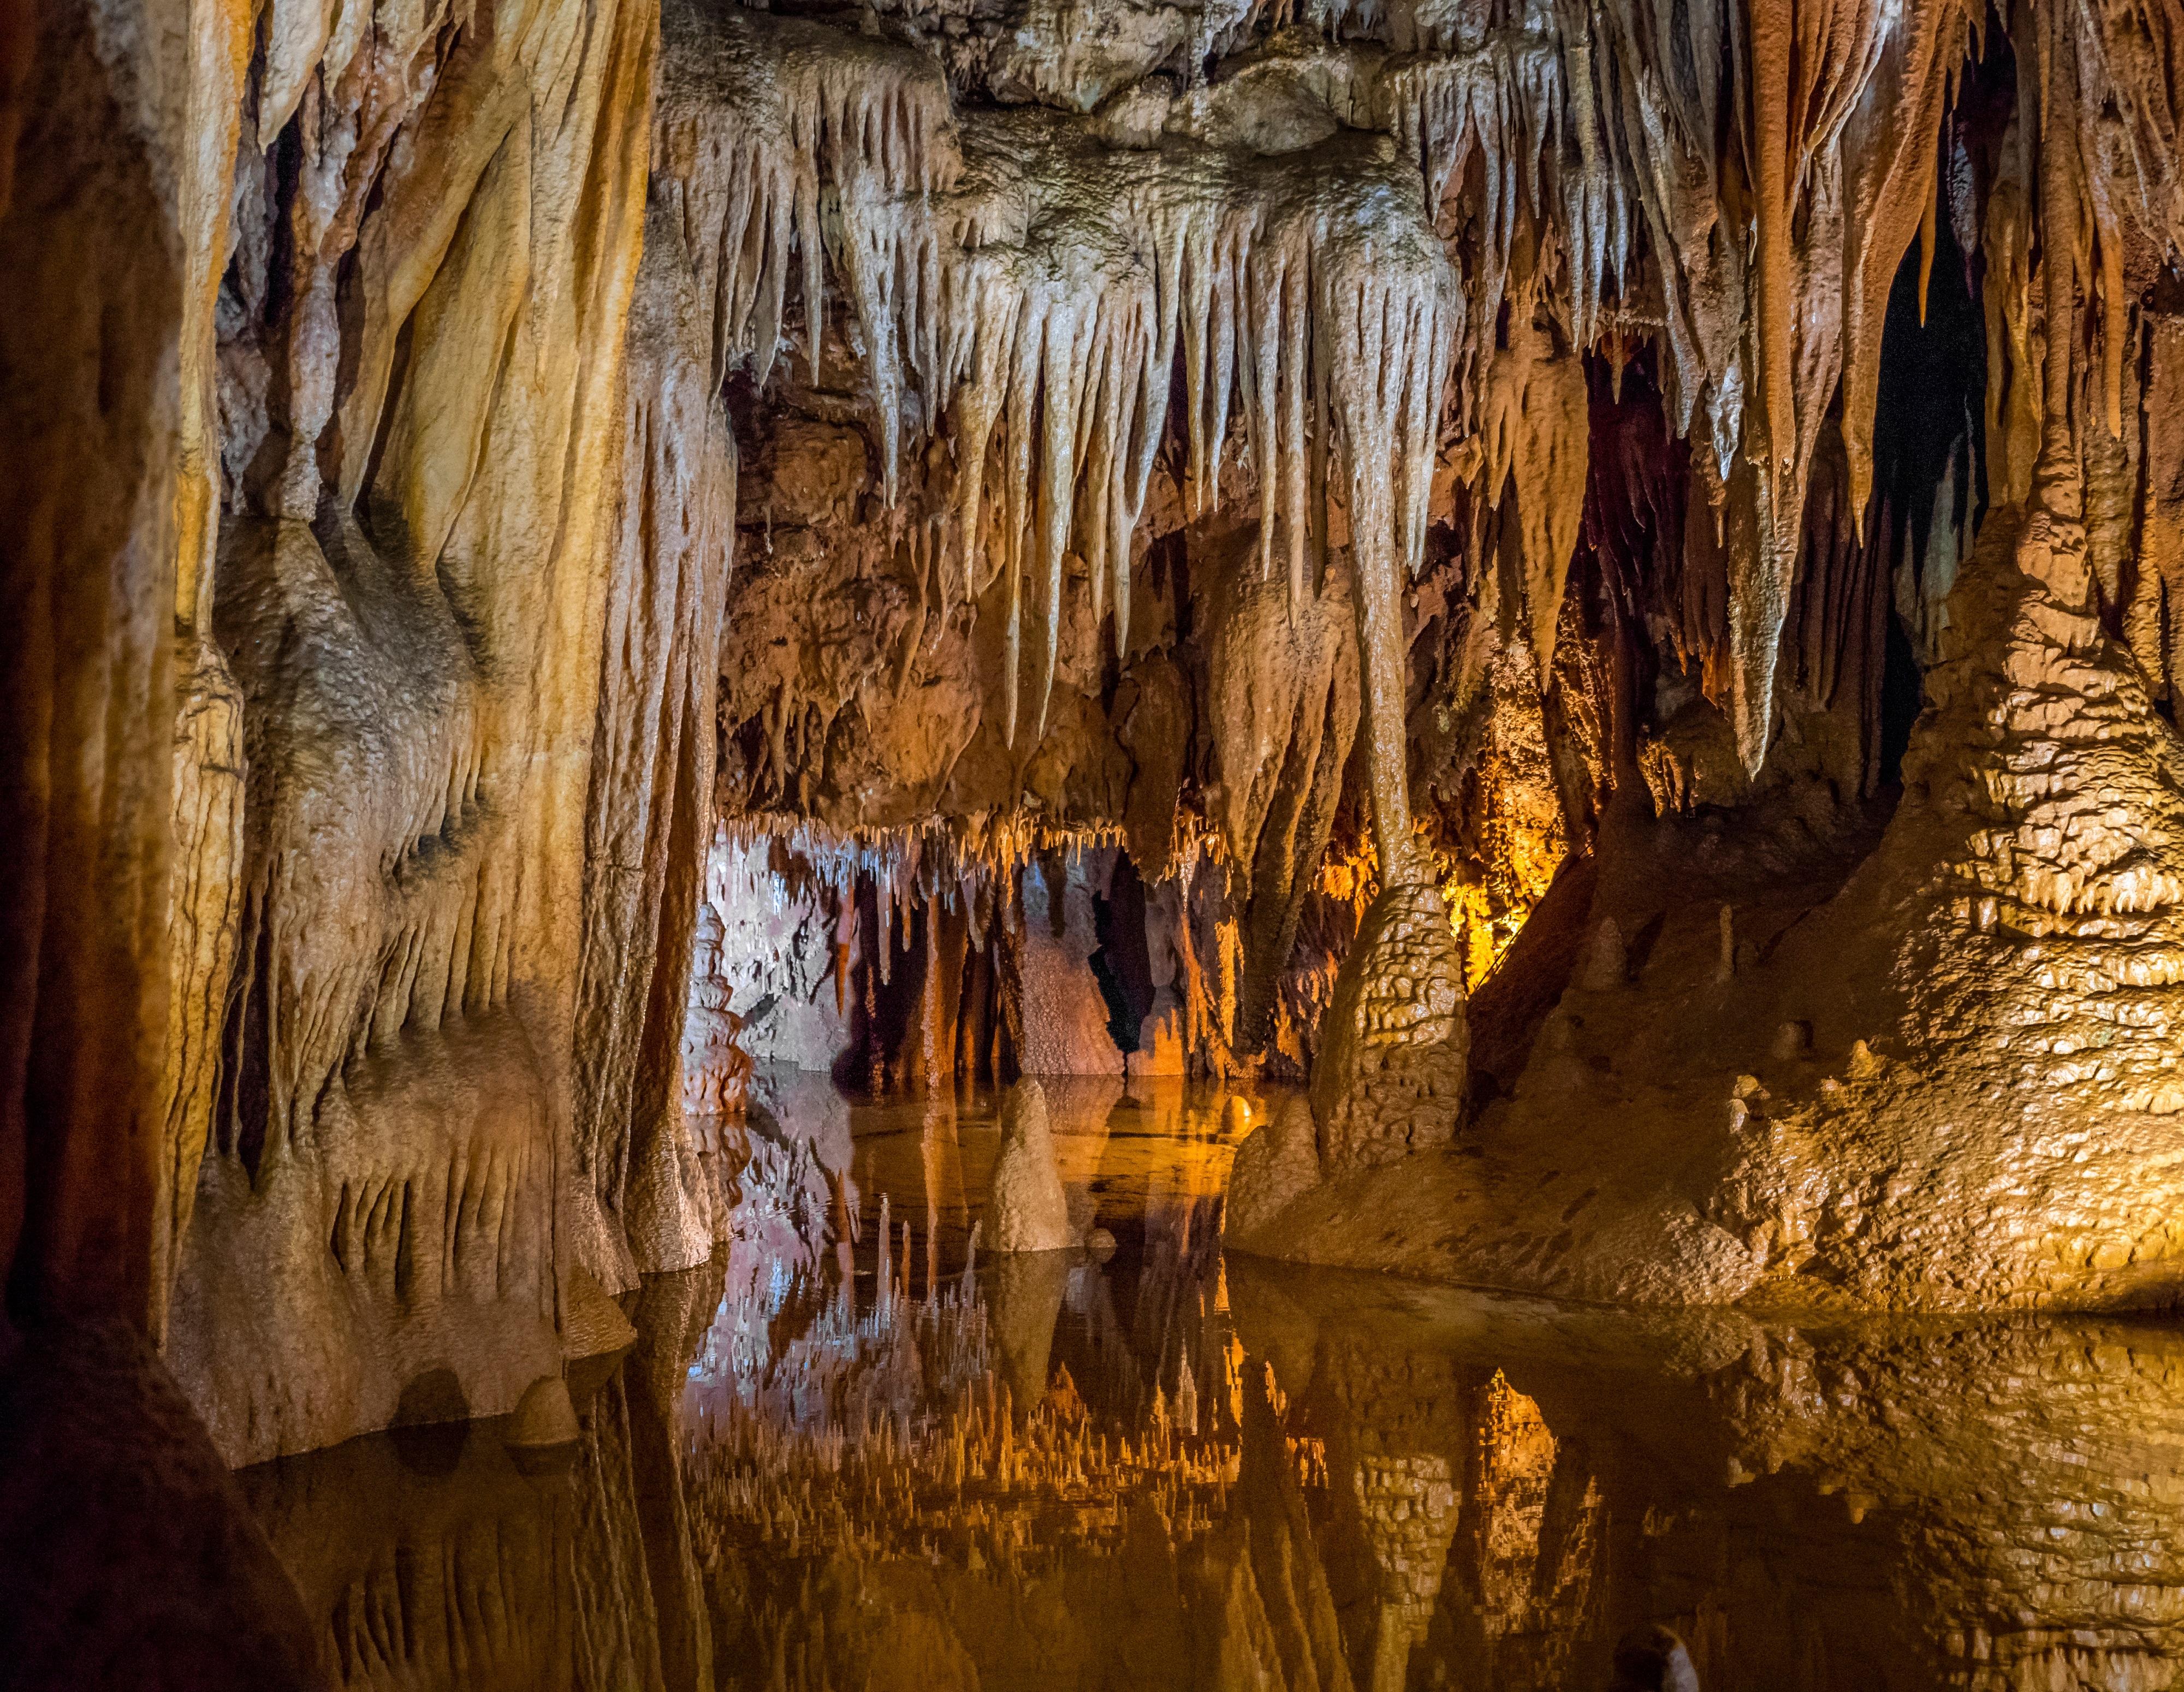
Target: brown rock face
x,y
130,1556
89,414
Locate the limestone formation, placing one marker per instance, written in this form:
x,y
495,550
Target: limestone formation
x,y
1062,1016
715,1069
1277,1164
1945,1081
1029,1209
440,1556
544,1416
1796,1478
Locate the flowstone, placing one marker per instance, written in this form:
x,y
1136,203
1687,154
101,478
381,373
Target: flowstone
x,y
1951,1081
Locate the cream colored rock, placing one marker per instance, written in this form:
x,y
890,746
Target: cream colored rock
x,y
1030,1209
410,593
1065,1021
715,1069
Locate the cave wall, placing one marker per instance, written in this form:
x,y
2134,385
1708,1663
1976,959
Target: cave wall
x,y
373,706
421,361
91,414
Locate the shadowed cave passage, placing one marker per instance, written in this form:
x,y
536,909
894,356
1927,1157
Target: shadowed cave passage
x,y
667,658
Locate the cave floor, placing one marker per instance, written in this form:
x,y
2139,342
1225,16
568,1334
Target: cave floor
x,y
1137,1464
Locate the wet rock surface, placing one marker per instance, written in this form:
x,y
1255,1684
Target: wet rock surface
x,y
904,1463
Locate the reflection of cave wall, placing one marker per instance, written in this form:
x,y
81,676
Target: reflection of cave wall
x,y
1816,1506
434,1557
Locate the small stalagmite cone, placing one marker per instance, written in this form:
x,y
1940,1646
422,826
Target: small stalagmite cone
x,y
544,1416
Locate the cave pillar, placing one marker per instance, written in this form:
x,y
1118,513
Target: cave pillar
x,y
1381,661
2058,478
205,807
2153,618
1389,1077
930,1060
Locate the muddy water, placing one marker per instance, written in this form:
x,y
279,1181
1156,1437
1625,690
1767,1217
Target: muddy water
x,y
844,1458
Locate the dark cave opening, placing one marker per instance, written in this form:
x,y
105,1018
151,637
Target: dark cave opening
x,y
1901,699
1929,462
1122,962
1930,415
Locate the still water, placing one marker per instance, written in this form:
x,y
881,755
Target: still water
x,y
856,1452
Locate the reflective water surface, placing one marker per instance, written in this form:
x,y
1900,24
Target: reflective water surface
x,y
856,1452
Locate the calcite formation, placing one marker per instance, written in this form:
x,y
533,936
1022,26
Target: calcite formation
x,y
1597,584
1030,1211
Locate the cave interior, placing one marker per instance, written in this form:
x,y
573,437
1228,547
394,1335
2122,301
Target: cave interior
x,y
1425,688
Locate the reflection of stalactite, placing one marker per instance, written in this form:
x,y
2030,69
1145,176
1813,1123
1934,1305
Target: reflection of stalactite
x,y
842,1439
1530,1546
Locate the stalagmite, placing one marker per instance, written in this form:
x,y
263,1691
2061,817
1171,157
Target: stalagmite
x,y
1030,1211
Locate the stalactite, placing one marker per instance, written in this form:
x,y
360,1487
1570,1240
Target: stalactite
x,y
1234,273
781,140
1051,280
1522,97
2153,619
1537,439
1395,321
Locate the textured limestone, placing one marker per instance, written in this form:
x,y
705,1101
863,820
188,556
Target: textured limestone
x,y
543,1418
1795,1482
1945,1081
1062,1016
1029,1211
649,810
418,485
1277,1165
715,1069
439,1557
1283,698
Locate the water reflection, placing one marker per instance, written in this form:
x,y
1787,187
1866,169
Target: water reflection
x,y
857,1452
